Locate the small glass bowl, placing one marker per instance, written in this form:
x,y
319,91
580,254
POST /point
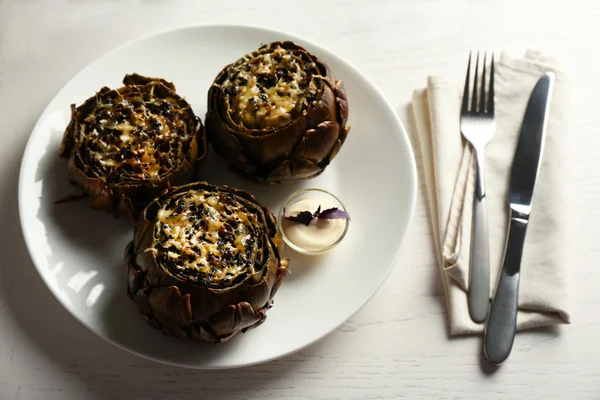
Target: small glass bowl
x,y
295,197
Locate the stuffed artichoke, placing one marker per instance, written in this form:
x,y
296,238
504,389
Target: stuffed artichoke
x,y
205,262
126,145
277,114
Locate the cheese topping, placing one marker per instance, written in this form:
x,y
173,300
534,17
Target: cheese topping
x,y
210,237
270,90
139,137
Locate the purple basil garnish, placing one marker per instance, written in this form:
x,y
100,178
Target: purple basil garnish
x,y
334,213
304,217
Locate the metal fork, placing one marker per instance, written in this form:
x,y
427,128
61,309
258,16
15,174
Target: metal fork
x,y
477,126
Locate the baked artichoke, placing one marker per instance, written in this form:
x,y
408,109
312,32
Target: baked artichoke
x,y
126,145
277,114
205,262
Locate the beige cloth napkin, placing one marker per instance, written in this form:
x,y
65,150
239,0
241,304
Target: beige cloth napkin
x,y
449,172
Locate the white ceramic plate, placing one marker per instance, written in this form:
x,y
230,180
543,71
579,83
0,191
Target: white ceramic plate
x,y
78,251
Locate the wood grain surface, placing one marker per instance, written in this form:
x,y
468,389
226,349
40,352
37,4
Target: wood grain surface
x,y
397,345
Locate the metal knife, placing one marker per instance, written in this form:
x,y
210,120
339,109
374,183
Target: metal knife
x,y
502,322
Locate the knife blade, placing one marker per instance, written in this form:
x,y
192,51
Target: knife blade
x,y
502,322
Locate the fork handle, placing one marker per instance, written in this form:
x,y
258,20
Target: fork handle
x,y
479,268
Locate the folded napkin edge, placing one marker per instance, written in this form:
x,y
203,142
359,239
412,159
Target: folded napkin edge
x,y
533,66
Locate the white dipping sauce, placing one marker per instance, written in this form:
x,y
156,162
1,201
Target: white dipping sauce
x,y
320,233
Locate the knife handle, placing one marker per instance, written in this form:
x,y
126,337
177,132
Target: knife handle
x,y
479,268
502,322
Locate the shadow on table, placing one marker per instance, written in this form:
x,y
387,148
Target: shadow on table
x,y
545,333
40,322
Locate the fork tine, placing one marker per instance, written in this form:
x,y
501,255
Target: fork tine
x,y
491,91
474,98
482,103
465,103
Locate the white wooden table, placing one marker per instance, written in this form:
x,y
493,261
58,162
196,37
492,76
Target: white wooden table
x,y
397,345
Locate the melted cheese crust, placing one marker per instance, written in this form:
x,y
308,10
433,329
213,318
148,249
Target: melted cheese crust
x,y
207,235
270,89
141,137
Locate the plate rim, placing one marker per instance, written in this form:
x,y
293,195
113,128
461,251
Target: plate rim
x,y
404,137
